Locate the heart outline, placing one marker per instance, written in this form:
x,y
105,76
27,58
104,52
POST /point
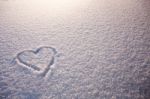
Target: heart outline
x,y
34,67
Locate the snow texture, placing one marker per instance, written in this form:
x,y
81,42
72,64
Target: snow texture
x,y
75,49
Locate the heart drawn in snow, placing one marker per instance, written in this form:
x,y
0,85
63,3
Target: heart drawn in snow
x,y
39,60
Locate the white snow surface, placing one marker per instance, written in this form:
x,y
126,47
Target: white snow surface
x,y
102,49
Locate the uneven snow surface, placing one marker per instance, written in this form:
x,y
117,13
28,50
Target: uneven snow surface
x,y
74,49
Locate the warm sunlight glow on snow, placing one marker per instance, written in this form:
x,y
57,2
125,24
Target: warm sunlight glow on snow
x,y
59,4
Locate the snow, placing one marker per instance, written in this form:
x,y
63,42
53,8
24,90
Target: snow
x,y
103,49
